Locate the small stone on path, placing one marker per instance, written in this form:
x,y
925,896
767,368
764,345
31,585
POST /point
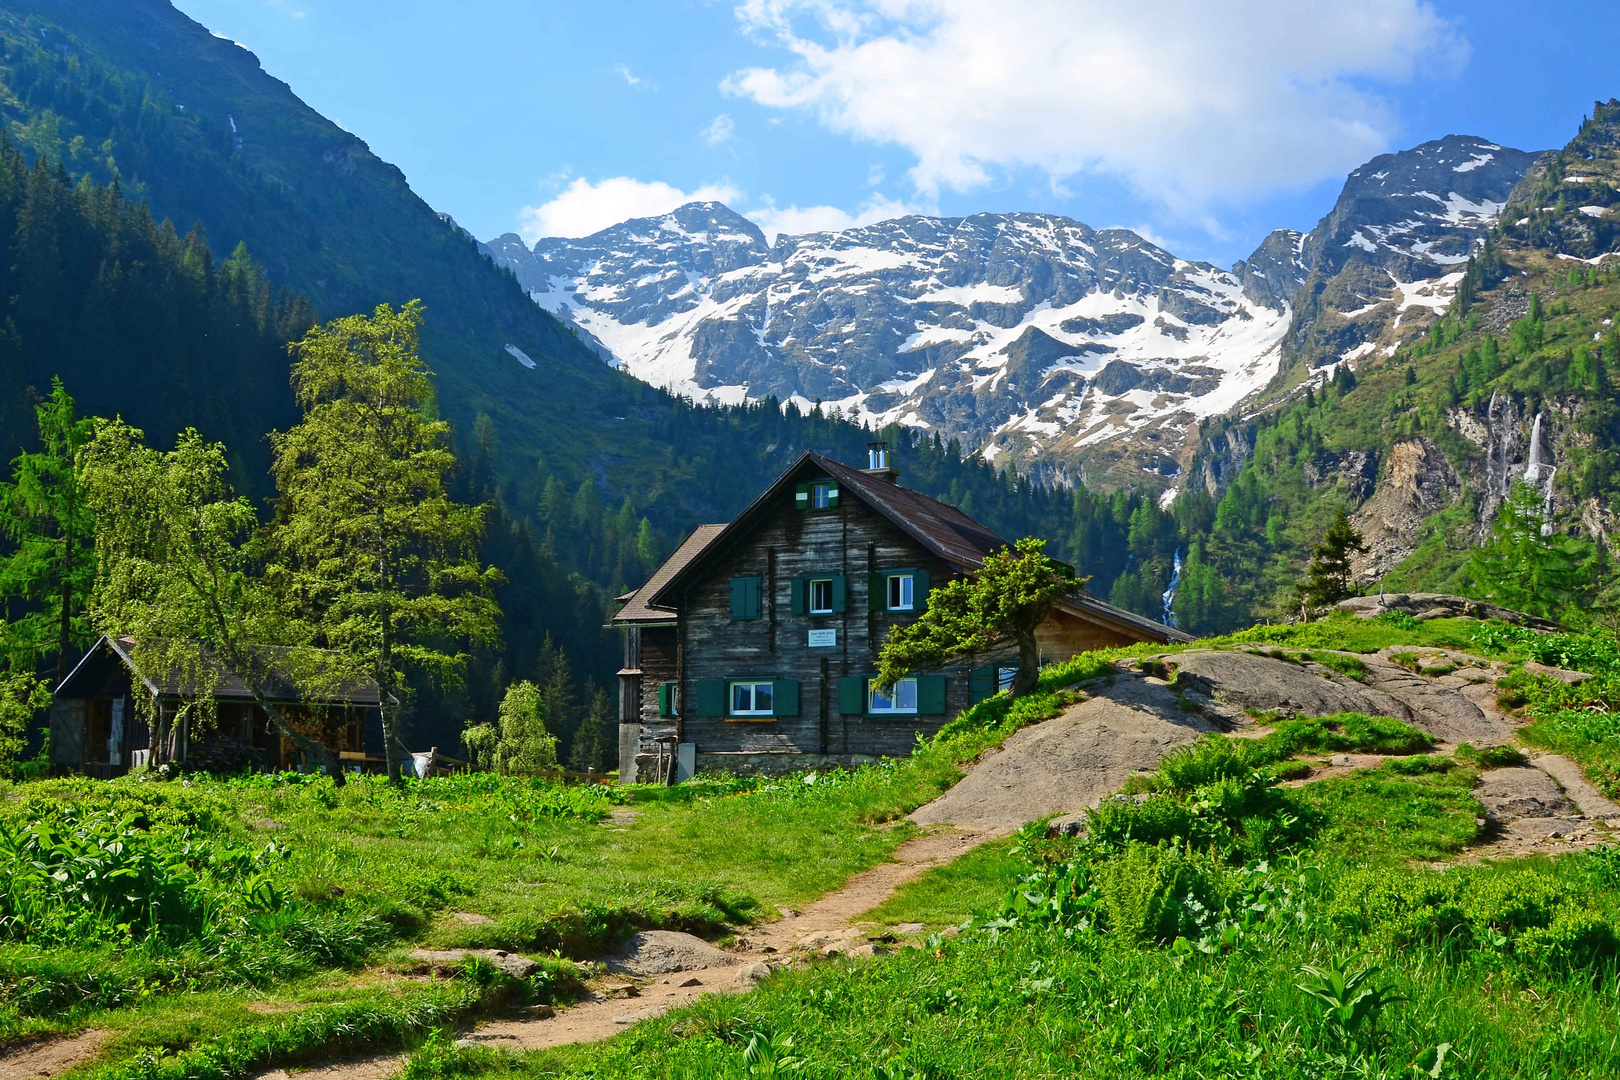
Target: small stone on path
x,y
471,918
661,952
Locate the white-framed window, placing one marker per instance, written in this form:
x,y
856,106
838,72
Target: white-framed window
x,y
752,699
900,594
902,699
1004,677
821,495
821,596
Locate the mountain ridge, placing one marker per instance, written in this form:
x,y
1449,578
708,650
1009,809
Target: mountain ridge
x,y
1078,353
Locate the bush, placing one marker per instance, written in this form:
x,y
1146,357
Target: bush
x,y
1145,889
1572,941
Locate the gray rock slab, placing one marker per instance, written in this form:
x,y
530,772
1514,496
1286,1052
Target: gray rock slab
x,y
1266,684
1522,792
661,952
1577,787
1064,765
1447,713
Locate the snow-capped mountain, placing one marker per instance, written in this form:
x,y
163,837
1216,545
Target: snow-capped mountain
x,y
1079,351
1392,250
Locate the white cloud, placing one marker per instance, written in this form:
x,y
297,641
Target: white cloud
x,y
796,220
1192,103
583,208
719,130
632,80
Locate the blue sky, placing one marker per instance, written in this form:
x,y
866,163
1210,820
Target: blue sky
x,y
1203,126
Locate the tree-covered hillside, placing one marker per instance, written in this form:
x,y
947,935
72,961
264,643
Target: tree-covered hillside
x,y
1514,385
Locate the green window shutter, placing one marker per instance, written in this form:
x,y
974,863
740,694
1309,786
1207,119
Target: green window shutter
x,y
744,598
919,591
784,697
930,695
832,495
838,594
877,592
800,587
666,699
801,497
851,695
711,695
982,682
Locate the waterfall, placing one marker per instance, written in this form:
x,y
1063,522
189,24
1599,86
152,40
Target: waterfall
x,y
1541,477
1170,593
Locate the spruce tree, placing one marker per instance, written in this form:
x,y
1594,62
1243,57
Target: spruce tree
x,y
1327,581
52,565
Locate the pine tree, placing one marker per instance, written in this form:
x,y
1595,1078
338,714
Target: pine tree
x,y
1327,581
52,567
1526,564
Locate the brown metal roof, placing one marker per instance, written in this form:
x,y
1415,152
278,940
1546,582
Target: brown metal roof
x,y
637,606
937,526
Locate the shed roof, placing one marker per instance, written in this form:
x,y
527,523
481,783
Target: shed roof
x,y
230,685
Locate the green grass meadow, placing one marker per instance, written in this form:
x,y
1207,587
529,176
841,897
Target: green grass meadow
x,y
1213,923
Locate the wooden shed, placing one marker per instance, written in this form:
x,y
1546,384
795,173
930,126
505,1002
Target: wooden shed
x,y
97,729
752,648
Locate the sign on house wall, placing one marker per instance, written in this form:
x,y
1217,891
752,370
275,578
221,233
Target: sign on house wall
x,y
823,639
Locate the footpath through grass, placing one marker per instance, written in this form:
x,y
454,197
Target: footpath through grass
x,y
1213,925
188,916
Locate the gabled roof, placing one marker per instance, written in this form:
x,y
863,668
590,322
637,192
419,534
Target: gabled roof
x,y
939,527
230,686
638,608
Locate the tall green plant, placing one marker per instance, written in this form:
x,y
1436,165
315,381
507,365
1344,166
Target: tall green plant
x,y
179,578
377,559
51,567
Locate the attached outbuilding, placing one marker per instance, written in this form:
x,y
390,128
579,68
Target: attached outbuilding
x,y
753,647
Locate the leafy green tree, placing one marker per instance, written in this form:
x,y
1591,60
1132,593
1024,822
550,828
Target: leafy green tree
x,y
1327,580
52,567
1000,605
1527,565
179,576
371,550
520,742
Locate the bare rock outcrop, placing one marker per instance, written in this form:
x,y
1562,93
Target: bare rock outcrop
x,y
1424,606
1419,482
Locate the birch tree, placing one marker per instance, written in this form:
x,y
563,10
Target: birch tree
x,y
371,551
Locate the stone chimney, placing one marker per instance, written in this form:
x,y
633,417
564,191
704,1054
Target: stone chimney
x,y
877,462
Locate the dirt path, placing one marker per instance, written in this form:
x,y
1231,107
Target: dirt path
x,y
1062,766
32,1061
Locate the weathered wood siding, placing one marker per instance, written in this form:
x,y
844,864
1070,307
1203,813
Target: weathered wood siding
x,y
851,540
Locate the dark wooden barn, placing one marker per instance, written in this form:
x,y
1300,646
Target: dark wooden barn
x,y
97,728
752,648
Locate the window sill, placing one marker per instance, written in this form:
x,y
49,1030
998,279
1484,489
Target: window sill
x,y
751,719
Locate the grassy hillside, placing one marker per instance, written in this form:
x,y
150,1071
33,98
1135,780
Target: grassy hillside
x,y
1196,932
